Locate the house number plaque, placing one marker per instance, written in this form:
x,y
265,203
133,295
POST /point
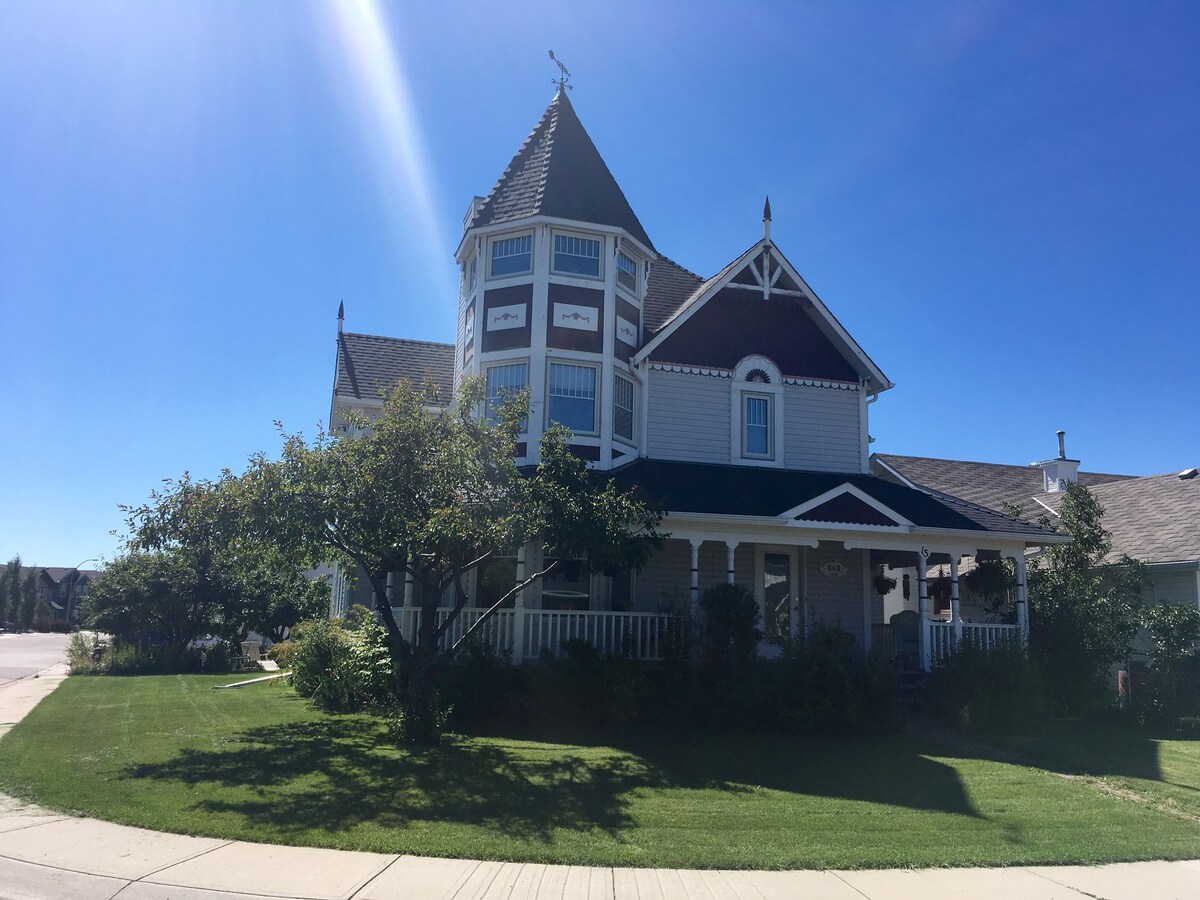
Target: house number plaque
x,y
833,568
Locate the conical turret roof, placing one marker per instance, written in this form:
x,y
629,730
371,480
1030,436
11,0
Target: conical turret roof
x,y
559,172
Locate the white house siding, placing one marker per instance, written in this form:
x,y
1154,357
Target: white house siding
x,y
688,418
836,601
822,429
1173,586
667,577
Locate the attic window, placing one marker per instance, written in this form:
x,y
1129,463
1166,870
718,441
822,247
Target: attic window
x,y
758,376
576,255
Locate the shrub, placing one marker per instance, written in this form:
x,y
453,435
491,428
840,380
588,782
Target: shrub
x,y
283,653
482,685
343,670
82,654
728,632
318,670
998,690
216,658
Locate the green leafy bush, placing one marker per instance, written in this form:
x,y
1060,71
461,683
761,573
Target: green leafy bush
x,y
729,634
82,654
343,670
998,690
282,654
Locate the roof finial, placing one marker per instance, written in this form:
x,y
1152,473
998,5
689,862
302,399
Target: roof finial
x,y
563,75
767,219
341,314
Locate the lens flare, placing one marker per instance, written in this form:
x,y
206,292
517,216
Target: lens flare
x,y
392,127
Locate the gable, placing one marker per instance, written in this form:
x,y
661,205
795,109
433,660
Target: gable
x,y
737,323
847,509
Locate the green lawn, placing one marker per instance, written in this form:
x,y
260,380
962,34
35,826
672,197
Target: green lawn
x,y
259,764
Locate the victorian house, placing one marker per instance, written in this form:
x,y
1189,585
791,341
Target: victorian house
x,y
738,400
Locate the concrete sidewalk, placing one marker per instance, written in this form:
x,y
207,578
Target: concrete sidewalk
x,y
47,855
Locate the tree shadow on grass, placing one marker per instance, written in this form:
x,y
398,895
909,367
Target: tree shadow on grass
x,y
339,772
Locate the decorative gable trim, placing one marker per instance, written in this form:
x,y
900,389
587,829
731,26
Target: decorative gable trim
x,y
831,385
691,370
825,320
848,489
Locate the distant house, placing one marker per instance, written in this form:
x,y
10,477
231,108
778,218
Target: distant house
x,y
738,400
62,587
1154,519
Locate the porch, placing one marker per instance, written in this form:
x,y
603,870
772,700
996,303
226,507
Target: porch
x,y
798,587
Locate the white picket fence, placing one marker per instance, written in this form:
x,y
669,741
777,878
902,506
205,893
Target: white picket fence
x,y
942,642
526,633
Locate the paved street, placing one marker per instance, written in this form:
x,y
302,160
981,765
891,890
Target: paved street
x,y
23,654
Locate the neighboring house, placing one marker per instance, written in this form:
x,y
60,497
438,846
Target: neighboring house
x,y
62,588
1154,519
739,401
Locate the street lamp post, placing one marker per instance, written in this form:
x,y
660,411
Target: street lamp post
x,y
71,588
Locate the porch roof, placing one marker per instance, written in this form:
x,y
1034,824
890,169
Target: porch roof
x,y
753,491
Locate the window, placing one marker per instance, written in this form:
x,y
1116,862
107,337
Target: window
x,y
576,255
512,256
626,271
572,397
502,383
756,426
777,596
568,585
472,276
623,420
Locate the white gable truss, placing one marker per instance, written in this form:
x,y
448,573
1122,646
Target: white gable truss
x,y
768,268
846,489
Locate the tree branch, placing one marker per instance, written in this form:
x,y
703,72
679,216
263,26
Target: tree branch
x,y
491,610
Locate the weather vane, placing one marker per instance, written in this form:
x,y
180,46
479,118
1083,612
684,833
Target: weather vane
x,y
564,76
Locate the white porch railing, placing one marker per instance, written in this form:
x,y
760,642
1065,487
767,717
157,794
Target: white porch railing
x,y
636,635
942,643
498,630
639,636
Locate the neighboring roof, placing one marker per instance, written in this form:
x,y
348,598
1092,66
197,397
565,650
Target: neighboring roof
x,y
57,573
1154,519
989,484
368,365
753,491
559,172
670,286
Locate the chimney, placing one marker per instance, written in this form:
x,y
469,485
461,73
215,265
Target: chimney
x,y
1059,472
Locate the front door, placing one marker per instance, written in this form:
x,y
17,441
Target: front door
x,y
777,581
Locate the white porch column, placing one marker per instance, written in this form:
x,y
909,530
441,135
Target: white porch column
x,y
695,543
955,611
408,587
730,547
518,635
1022,600
923,609
391,588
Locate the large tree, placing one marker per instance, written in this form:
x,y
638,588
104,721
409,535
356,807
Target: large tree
x,y
436,495
1084,610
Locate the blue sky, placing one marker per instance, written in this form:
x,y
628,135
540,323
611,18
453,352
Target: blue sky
x,y
999,200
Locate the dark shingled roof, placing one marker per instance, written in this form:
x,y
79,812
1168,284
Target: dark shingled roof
x,y
368,365
559,172
751,491
988,484
669,287
1154,519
